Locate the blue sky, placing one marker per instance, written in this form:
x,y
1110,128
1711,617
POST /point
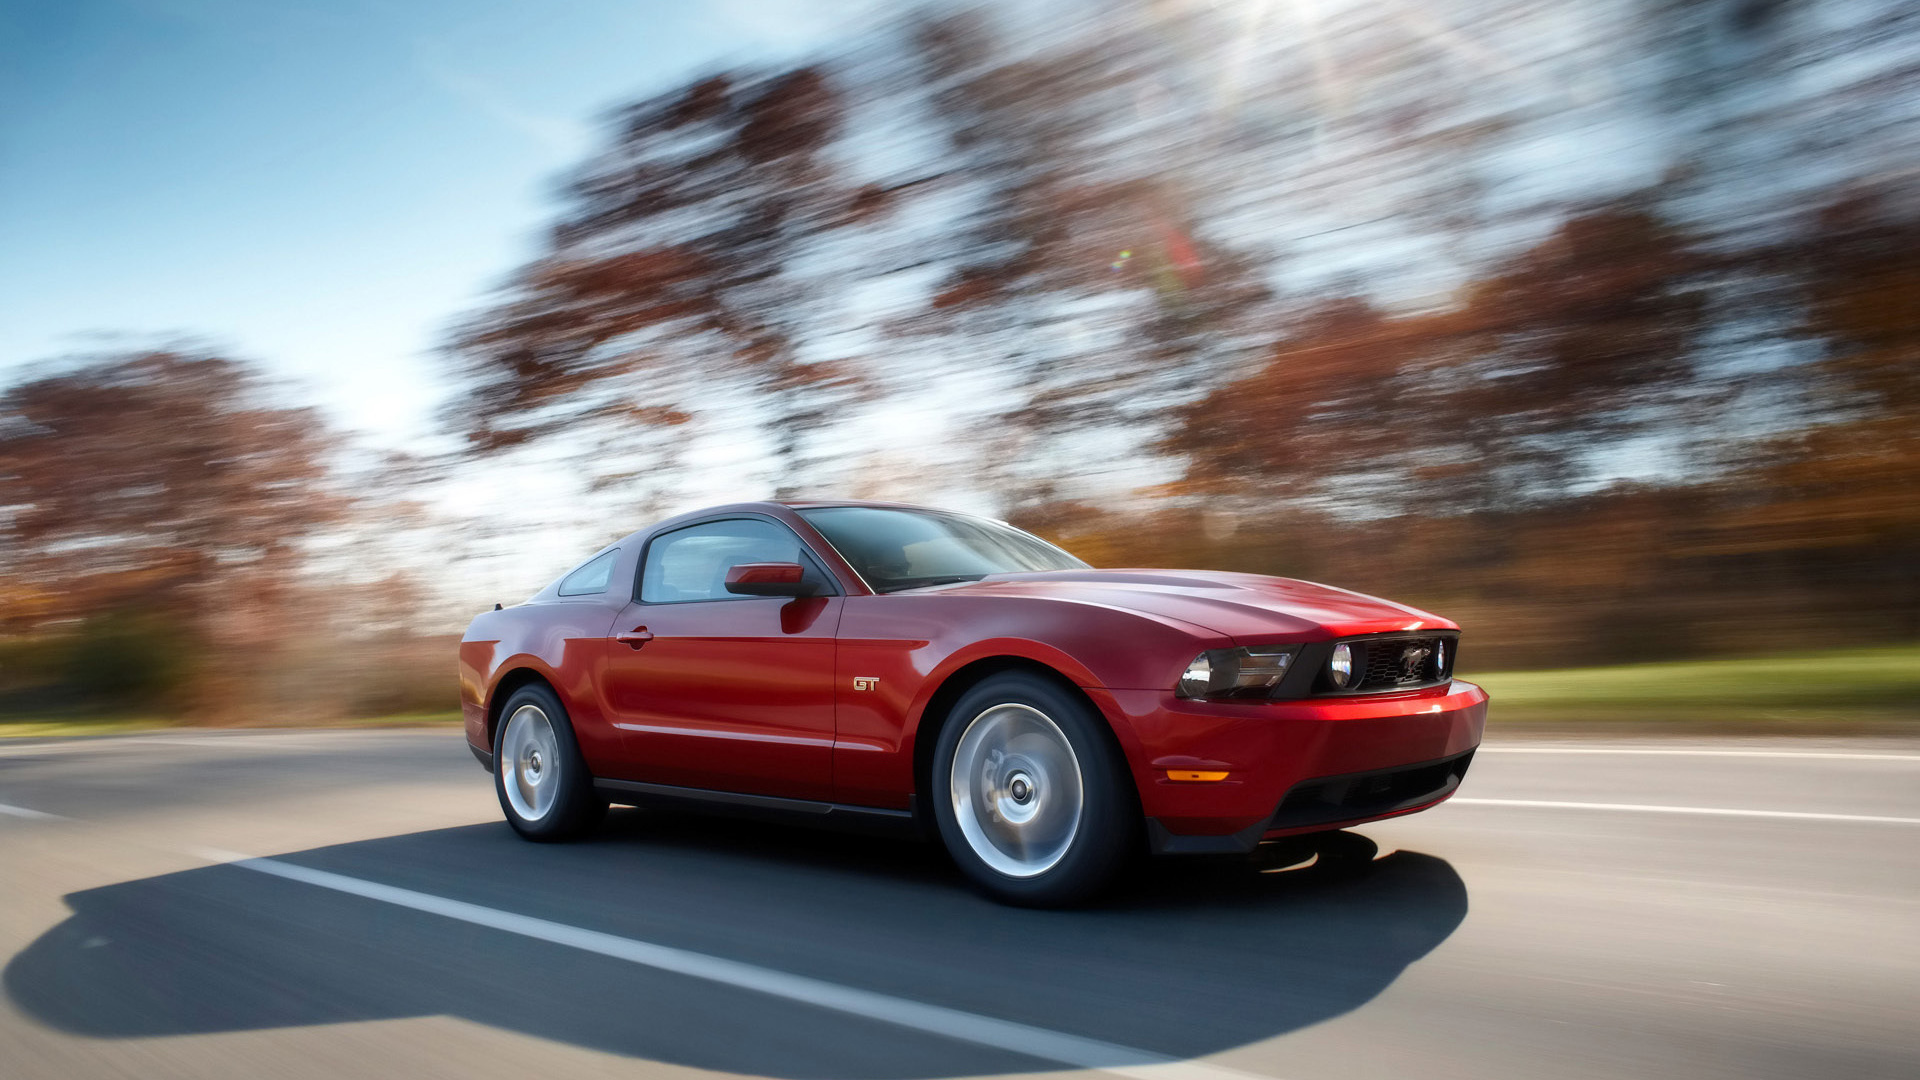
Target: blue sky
x,y
320,186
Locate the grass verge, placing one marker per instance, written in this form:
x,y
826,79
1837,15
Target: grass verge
x,y
1834,691
66,726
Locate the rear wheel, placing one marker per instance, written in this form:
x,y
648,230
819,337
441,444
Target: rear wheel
x,y
1033,800
541,779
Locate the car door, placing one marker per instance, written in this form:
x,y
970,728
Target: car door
x,y
720,691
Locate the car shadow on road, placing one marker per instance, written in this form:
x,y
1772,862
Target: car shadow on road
x,y
1185,958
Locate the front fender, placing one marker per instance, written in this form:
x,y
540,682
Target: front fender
x,y
897,652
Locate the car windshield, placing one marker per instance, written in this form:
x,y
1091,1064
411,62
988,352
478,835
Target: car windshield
x,y
907,549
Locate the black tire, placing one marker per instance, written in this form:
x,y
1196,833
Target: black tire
x,y
1066,869
572,808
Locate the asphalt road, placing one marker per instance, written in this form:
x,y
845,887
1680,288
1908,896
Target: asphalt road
x,y
400,929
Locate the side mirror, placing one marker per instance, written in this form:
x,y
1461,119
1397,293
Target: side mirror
x,y
770,579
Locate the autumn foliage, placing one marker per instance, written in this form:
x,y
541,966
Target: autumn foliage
x,y
1672,423
158,513
1171,284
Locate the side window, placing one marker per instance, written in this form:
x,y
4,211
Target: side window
x,y
692,563
591,579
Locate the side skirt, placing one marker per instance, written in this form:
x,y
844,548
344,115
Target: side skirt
x,y
901,823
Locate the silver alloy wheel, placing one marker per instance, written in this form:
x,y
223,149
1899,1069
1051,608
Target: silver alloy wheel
x,y
531,754
1016,789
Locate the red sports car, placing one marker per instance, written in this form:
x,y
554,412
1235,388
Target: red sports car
x,y
950,675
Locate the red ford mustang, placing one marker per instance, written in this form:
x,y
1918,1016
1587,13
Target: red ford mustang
x,y
933,671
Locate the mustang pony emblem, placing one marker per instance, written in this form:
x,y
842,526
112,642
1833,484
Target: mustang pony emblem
x,y
1412,658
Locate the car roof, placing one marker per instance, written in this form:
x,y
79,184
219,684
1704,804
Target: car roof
x,y
815,504
772,507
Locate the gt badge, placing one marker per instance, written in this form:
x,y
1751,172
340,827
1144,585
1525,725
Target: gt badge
x,y
866,682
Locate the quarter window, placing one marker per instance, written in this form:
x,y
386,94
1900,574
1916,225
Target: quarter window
x,y
692,563
592,577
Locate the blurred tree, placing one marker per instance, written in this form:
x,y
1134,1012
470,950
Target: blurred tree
x,y
1564,353
160,491
1359,276
1061,229
1581,345
1858,475
1837,498
901,220
676,272
1080,272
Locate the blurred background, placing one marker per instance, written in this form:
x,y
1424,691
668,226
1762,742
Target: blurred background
x,y
1595,326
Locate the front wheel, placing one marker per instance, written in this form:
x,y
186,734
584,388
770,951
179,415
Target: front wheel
x,y
1033,801
544,787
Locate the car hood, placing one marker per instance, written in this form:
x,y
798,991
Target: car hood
x,y
1249,606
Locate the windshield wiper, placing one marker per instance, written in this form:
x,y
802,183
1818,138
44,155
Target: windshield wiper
x,y
898,584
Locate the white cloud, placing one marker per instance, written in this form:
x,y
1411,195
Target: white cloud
x,y
565,136
792,24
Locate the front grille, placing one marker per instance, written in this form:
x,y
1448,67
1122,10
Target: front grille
x,y
1382,664
1329,799
1402,662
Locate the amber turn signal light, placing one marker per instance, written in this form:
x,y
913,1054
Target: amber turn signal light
x,y
1195,775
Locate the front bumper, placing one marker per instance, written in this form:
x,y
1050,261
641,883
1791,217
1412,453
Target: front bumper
x,y
1292,766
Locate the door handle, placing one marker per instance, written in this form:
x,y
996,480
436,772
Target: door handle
x,y
635,637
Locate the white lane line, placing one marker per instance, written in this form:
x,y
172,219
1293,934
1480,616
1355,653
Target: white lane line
x,y
97,743
968,1027
1792,815
1666,752
29,813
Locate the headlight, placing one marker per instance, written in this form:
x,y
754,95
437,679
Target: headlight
x,y
1340,667
1243,672
1198,678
